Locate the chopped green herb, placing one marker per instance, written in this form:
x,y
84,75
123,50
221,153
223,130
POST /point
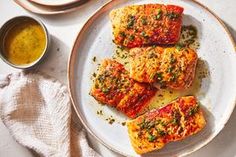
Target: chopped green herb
x,y
144,20
172,59
193,110
144,34
163,123
143,124
105,90
176,118
131,20
111,121
94,74
101,78
158,16
94,59
159,76
174,121
159,13
151,137
173,77
96,86
100,112
121,48
131,37
152,55
122,34
150,125
192,30
172,15
161,132
179,46
170,70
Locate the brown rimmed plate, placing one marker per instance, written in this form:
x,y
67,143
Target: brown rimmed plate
x,y
217,93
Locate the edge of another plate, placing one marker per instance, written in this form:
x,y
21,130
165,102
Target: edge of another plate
x,y
48,10
71,87
53,5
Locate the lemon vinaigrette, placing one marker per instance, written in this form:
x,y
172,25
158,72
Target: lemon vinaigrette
x,y
25,43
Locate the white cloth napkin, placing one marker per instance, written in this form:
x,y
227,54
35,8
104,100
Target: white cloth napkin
x,y
37,111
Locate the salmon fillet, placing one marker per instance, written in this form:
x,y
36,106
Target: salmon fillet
x,y
168,67
148,24
114,87
176,121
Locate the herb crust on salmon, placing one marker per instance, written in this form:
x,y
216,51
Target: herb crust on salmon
x,y
148,24
114,87
175,121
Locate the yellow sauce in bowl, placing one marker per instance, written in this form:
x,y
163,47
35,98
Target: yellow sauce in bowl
x,y
24,43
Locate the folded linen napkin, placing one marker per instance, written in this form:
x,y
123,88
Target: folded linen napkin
x,y
37,111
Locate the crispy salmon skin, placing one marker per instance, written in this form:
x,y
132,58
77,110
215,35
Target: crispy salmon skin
x,y
148,24
168,67
176,121
114,87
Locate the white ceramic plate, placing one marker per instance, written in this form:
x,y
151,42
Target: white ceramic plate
x,y
217,93
54,2
48,10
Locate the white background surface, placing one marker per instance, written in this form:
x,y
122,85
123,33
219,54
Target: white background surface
x,y
64,29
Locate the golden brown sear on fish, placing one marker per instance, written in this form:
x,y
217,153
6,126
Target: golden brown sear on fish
x,y
148,24
114,87
176,121
170,67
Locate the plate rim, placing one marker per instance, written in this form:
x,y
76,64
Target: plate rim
x,y
69,8
71,87
54,5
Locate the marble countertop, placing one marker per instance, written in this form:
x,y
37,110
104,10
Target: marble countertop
x,y
62,41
